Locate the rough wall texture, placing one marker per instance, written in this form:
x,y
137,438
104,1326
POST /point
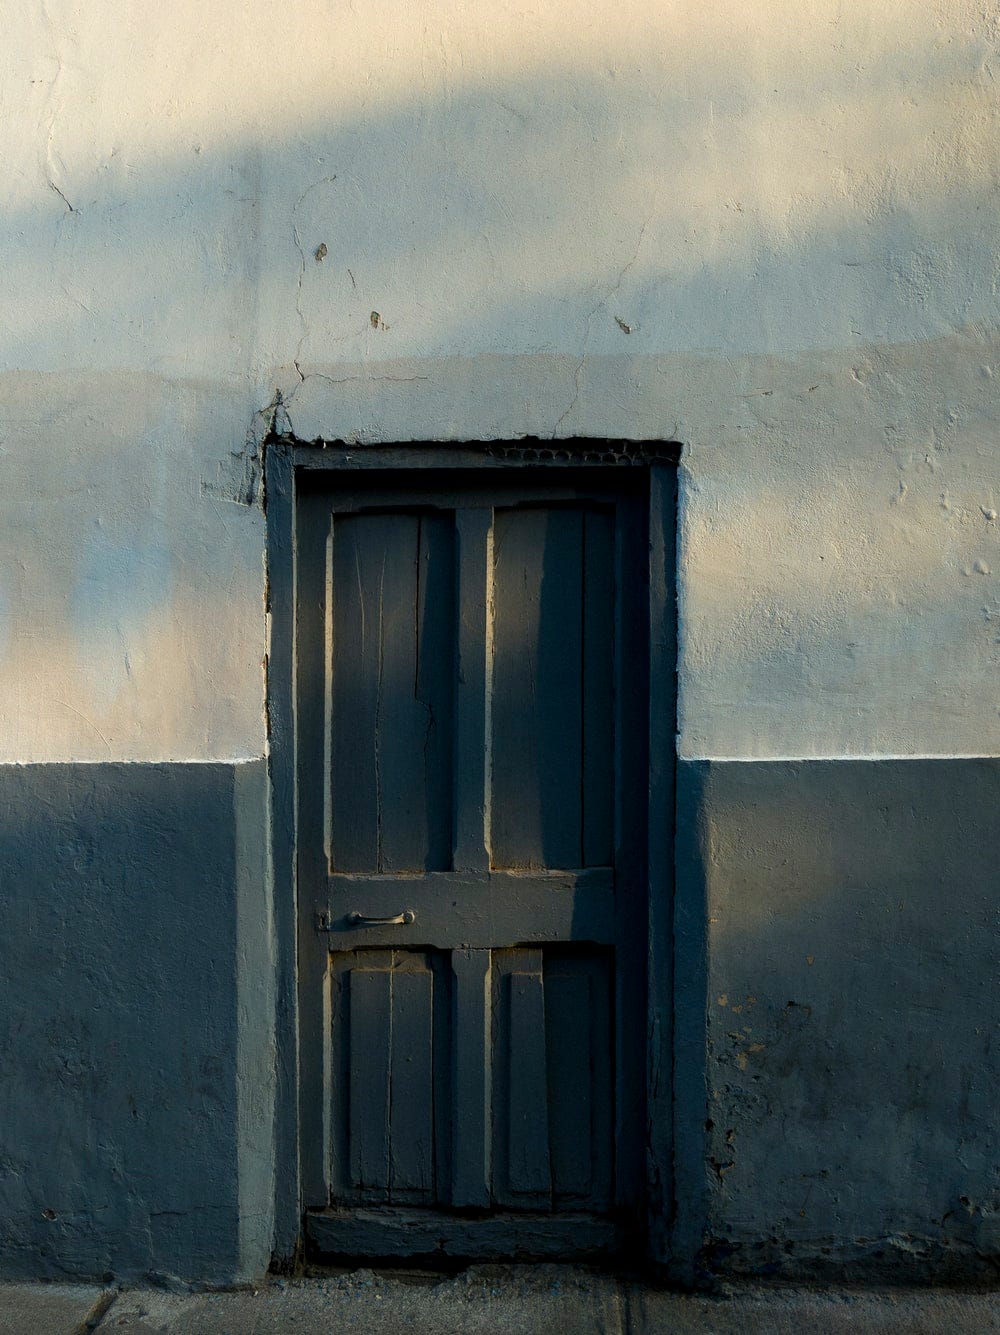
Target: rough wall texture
x,y
133,1079
765,231
848,1087
761,228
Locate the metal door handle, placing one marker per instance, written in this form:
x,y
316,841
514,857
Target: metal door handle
x,y
403,919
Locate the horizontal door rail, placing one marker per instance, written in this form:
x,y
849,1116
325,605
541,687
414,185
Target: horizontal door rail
x,y
361,500
456,910
450,882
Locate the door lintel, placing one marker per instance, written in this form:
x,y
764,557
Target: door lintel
x,y
576,452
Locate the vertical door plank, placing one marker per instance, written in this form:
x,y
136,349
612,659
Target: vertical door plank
x,y
391,707
435,681
356,576
471,1078
339,1083
474,529
442,1038
528,1164
598,689
602,971
537,688
561,689
399,726
412,1082
370,1043
412,721
569,1052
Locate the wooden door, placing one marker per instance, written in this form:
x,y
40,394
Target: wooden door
x,y
471,701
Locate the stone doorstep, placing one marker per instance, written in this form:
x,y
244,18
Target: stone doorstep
x,y
509,1300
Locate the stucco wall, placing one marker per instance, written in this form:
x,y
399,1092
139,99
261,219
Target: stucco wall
x,y
839,1101
765,231
137,1030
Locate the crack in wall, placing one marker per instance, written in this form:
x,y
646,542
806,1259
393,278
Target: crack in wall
x,y
52,167
612,291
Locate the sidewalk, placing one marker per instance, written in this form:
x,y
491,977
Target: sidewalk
x,y
515,1300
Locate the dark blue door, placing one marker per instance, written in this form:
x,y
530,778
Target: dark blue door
x,y
470,709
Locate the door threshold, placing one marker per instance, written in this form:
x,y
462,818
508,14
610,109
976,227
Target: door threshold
x,y
372,1233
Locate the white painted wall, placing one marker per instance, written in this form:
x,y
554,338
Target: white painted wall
x,y
791,209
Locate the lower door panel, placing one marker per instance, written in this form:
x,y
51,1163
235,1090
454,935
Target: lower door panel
x,y
530,1029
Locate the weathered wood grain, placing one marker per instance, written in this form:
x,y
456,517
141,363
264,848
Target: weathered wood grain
x,y
391,692
375,1233
472,1073
369,1076
474,529
570,1060
537,688
598,669
411,1116
528,1166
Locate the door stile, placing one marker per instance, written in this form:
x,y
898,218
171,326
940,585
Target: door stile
x,y
474,554
631,683
472,1075
672,1172
315,1056
472,1079
524,1164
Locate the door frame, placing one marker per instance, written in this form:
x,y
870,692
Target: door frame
x,y
285,460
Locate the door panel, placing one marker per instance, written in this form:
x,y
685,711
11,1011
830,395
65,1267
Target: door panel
x,y
391,696
545,1093
470,866
552,697
390,1037
553,1079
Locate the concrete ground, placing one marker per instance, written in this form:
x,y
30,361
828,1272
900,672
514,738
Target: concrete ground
x,y
514,1300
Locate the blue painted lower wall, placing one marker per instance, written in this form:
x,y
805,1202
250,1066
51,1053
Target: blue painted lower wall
x,y
841,1103
134,970
837,1059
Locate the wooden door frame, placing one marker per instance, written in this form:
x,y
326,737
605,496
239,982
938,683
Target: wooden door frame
x,y
286,458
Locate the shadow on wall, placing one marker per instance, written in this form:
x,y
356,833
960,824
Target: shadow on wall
x,y
696,239
710,198
130,588
134,977
852,1017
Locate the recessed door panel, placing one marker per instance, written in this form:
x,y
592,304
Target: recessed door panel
x,y
553,1091
390,1036
553,692
391,602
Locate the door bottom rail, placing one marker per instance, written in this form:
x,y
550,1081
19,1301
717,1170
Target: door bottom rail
x,y
395,1232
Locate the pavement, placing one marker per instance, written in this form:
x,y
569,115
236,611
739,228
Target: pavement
x,y
512,1300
